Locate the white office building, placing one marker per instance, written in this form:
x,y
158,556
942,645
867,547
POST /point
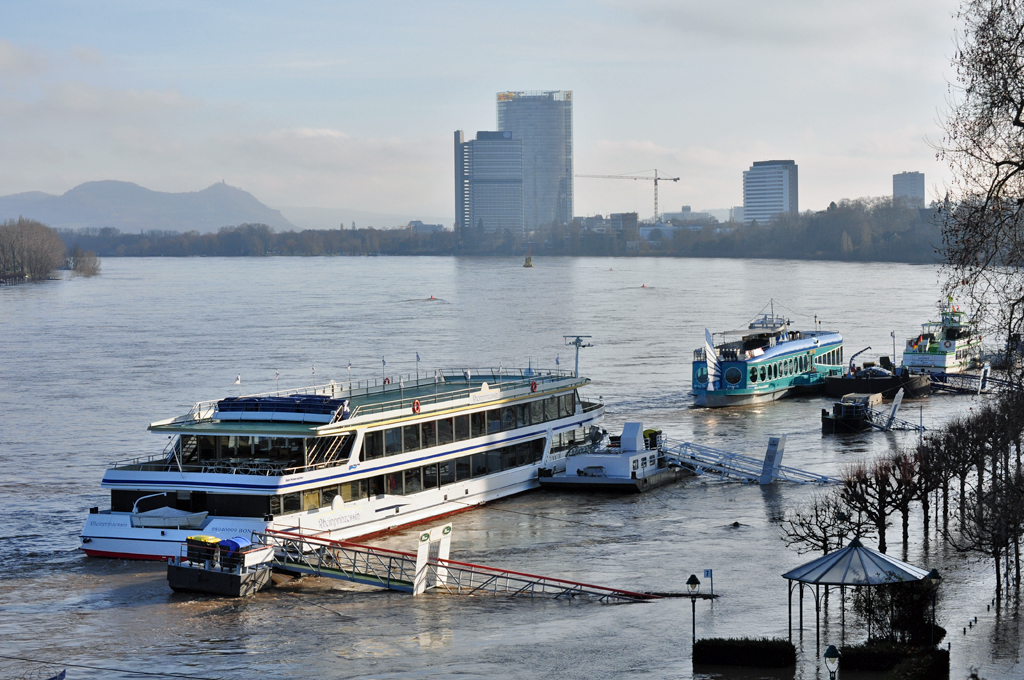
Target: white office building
x,y
769,189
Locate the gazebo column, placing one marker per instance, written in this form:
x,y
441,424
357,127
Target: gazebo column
x,y
789,587
842,610
817,618
801,605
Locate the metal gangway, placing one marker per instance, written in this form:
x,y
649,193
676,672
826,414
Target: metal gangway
x,y
415,573
704,459
966,383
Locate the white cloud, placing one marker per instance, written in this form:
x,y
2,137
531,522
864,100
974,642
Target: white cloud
x,y
16,62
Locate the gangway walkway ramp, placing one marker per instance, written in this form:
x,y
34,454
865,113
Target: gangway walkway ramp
x,y
397,570
703,459
966,383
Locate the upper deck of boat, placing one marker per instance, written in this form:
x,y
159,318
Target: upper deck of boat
x,y
339,406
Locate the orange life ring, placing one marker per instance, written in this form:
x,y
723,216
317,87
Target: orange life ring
x,y
416,406
387,381
533,386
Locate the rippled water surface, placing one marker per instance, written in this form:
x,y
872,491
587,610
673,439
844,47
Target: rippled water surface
x,y
86,364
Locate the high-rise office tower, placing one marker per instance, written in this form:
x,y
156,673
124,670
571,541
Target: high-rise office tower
x,y
769,188
543,120
489,182
909,186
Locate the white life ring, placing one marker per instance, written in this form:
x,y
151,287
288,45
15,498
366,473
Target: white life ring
x,y
387,381
948,345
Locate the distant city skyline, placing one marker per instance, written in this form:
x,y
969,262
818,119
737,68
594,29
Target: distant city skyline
x,y
341,106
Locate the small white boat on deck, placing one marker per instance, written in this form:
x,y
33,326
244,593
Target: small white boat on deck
x,y
166,517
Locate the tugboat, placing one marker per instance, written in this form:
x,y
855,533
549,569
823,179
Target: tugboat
x,y
950,345
769,361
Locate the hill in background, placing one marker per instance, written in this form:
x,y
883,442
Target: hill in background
x,y
129,207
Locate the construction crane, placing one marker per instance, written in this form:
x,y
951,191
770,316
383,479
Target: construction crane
x,y
656,179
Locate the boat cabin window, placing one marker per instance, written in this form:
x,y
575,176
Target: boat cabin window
x,y
753,374
463,468
376,485
461,428
392,441
763,374
429,434
411,438
551,408
733,375
445,434
291,502
537,411
413,481
478,423
327,494
493,421
373,445
446,472
508,418
311,500
429,476
393,484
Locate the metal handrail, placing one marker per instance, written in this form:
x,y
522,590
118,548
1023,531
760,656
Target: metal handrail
x,y
203,410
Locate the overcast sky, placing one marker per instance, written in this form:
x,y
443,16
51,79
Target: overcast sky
x,y
353,105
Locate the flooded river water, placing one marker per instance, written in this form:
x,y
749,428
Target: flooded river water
x,y
86,364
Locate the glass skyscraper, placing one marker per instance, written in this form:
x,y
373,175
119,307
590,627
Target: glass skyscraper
x,y
543,121
489,182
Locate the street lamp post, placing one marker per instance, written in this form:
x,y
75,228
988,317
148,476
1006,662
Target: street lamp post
x,y
693,586
935,579
832,661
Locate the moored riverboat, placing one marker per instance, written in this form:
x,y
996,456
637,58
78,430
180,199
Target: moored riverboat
x,y
341,461
952,344
768,362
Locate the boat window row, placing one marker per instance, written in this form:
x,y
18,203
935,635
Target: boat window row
x,y
775,370
395,441
413,480
832,358
209,448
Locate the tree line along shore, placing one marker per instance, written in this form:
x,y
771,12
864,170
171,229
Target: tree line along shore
x,y
31,251
861,230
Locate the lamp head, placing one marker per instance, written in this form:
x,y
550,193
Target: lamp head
x,y
832,658
934,577
693,584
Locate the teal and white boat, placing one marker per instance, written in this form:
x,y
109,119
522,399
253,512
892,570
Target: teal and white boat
x,y
769,361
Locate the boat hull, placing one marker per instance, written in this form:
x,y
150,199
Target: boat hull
x,y
565,482
914,386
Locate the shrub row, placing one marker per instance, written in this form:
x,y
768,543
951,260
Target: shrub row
x,y
903,662
760,652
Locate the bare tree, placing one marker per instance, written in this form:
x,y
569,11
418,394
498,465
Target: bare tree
x,y
29,248
983,232
822,525
868,489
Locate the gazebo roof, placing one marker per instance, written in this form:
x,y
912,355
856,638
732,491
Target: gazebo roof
x,y
855,565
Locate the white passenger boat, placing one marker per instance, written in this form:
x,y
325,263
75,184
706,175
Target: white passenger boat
x,y
341,461
950,345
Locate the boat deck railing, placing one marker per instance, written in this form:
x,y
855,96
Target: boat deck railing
x,y
434,387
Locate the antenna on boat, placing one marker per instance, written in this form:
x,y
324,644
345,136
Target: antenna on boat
x,y
577,342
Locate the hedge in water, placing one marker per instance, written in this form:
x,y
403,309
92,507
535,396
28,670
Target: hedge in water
x,y
761,652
